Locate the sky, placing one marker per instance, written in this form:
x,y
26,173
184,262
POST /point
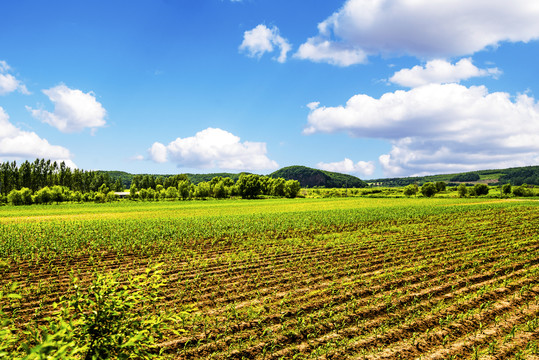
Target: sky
x,y
372,88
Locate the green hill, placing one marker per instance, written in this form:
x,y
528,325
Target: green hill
x,y
309,177
514,176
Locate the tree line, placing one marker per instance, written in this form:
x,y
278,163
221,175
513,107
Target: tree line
x,y
46,181
46,173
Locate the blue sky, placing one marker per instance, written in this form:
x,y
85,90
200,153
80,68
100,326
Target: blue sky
x,y
374,88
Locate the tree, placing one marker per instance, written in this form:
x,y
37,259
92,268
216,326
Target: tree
x,y
440,186
249,186
265,185
184,186
133,191
7,178
481,189
57,194
428,189
202,190
15,197
103,189
219,191
44,195
118,185
506,189
522,190
466,177
77,182
411,190
171,193
277,186
291,188
143,193
25,175
76,196
111,196
462,190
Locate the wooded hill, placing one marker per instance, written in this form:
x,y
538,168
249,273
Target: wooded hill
x,y
514,176
309,177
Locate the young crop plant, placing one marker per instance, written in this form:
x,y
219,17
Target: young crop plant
x,y
114,317
8,336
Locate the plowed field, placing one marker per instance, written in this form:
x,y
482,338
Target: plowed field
x,y
347,278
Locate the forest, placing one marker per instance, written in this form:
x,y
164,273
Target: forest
x,y
527,175
44,182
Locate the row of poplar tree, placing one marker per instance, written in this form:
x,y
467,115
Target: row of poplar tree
x,y
46,173
43,182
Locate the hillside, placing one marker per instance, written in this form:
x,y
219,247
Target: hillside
x,y
515,176
309,177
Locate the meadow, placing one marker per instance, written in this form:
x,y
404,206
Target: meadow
x,y
366,278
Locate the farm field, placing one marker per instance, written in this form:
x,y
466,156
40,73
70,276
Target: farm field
x,y
358,278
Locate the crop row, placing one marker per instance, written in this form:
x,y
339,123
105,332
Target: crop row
x,y
457,282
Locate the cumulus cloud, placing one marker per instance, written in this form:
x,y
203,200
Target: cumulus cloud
x,y
320,50
213,148
158,152
439,72
421,28
137,157
347,166
74,110
19,144
8,82
440,127
262,39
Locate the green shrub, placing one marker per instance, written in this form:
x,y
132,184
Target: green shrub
x,y
115,317
522,190
462,190
440,186
481,189
428,189
291,188
411,189
20,197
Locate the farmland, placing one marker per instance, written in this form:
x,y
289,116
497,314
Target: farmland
x,y
373,278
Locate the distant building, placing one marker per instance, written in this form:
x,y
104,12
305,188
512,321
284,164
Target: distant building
x,y
121,194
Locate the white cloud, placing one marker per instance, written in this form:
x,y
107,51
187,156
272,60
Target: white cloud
x,y
137,157
262,39
158,152
213,148
8,83
421,28
318,50
440,127
439,72
74,110
313,105
19,144
348,166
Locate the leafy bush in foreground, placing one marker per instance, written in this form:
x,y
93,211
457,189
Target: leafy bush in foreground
x,y
115,317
